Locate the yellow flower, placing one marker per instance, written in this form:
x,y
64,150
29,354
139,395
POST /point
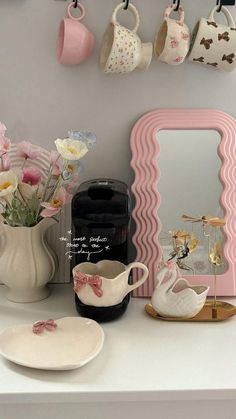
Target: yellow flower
x,y
180,235
8,183
215,256
71,149
193,243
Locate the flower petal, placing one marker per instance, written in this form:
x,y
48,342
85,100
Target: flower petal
x,y
8,182
2,129
31,175
27,150
47,213
71,149
87,137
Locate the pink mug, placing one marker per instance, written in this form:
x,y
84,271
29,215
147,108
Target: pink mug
x,y
74,42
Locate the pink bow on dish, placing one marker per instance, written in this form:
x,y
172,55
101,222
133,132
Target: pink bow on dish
x,y
95,282
40,326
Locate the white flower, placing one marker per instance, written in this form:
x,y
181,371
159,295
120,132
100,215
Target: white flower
x,y
71,149
8,183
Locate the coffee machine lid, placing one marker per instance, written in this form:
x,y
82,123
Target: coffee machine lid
x,y
104,183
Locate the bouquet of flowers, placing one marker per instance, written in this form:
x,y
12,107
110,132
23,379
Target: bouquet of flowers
x,y
29,193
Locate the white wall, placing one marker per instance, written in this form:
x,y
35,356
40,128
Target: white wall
x,y
40,99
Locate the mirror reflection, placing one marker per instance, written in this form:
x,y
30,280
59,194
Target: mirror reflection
x,y
189,184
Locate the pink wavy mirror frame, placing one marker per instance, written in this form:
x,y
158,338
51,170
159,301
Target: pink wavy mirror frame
x,y
145,150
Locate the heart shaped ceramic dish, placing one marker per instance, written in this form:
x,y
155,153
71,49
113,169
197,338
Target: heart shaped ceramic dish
x,y
74,342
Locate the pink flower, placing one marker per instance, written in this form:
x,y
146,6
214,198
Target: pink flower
x,y
6,162
2,129
55,162
5,144
31,175
185,36
174,43
27,150
178,59
54,206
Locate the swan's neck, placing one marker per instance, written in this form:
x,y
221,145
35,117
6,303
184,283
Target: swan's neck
x,y
168,283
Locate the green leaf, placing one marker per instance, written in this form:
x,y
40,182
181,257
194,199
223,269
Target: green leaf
x,y
33,202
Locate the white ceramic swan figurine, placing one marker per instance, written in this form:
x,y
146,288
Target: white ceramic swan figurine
x,y
174,296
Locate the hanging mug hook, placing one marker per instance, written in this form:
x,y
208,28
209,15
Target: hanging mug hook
x,y
75,3
177,5
219,3
126,4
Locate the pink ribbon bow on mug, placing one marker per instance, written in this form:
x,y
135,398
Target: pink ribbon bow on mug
x,y
95,282
40,326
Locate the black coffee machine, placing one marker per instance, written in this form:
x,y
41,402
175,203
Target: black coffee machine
x,y
101,213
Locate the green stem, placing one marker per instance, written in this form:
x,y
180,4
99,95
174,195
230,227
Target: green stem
x,y
2,205
54,188
23,165
2,163
49,179
7,202
2,160
22,196
46,186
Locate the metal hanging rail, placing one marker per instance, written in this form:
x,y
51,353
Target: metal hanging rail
x,y
219,3
223,2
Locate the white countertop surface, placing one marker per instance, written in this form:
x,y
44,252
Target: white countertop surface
x,y
142,359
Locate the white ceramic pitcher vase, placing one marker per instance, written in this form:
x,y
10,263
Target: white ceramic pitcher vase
x,y
27,263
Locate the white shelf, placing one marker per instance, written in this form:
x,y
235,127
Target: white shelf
x,y
143,359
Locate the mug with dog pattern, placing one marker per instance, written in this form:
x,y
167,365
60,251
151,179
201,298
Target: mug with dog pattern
x,y
214,44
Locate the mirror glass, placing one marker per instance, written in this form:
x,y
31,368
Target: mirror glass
x,y
189,184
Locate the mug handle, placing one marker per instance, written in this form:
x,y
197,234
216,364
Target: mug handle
x,y
82,9
170,8
227,14
134,11
141,280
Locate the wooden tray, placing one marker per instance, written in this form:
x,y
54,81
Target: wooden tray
x,y
210,313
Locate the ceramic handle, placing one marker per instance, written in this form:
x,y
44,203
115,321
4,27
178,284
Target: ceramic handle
x,y
134,11
141,280
227,14
82,9
170,8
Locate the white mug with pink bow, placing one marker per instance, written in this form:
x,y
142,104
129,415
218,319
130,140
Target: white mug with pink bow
x,y
172,41
105,283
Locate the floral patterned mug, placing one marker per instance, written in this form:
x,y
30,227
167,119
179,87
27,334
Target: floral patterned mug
x,y
122,50
172,41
